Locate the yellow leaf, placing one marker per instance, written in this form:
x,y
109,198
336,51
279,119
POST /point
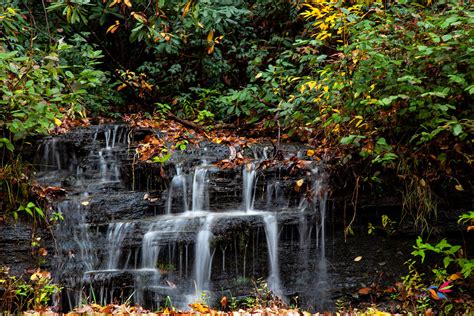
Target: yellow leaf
x,y
186,9
310,153
459,187
113,28
298,185
210,36
127,3
121,87
217,140
357,259
139,17
57,121
422,183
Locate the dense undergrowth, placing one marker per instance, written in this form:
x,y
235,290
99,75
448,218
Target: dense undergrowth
x,y
382,91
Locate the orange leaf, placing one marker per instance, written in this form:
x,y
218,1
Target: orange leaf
x,y
364,291
186,9
113,28
210,49
433,294
224,302
469,228
127,3
454,276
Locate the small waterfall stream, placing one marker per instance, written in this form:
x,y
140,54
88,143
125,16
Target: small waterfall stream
x,y
203,260
200,198
115,247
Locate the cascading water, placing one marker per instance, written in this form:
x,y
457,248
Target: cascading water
x,y
203,260
121,249
271,233
178,188
200,198
248,187
115,235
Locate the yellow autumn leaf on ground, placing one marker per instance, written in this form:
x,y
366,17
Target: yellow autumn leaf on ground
x,y
459,187
310,153
57,121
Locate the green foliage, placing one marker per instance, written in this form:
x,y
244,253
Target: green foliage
x,y
449,267
19,295
449,255
387,226
31,209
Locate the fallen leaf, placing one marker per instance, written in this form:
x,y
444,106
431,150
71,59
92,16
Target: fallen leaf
x,y
459,187
224,302
43,252
390,290
85,203
357,259
298,185
310,153
364,291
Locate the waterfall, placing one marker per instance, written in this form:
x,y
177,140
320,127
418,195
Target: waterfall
x,y
315,205
271,232
115,235
178,185
118,245
150,250
248,189
200,197
203,260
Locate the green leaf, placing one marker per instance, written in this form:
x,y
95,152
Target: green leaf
x,y
39,211
457,129
447,261
6,142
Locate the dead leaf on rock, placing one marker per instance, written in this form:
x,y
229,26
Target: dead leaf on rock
x,y
364,291
298,185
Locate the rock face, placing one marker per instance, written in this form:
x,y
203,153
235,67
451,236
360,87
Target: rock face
x,y
144,232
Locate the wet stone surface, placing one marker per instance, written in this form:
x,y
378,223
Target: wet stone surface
x,y
150,231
